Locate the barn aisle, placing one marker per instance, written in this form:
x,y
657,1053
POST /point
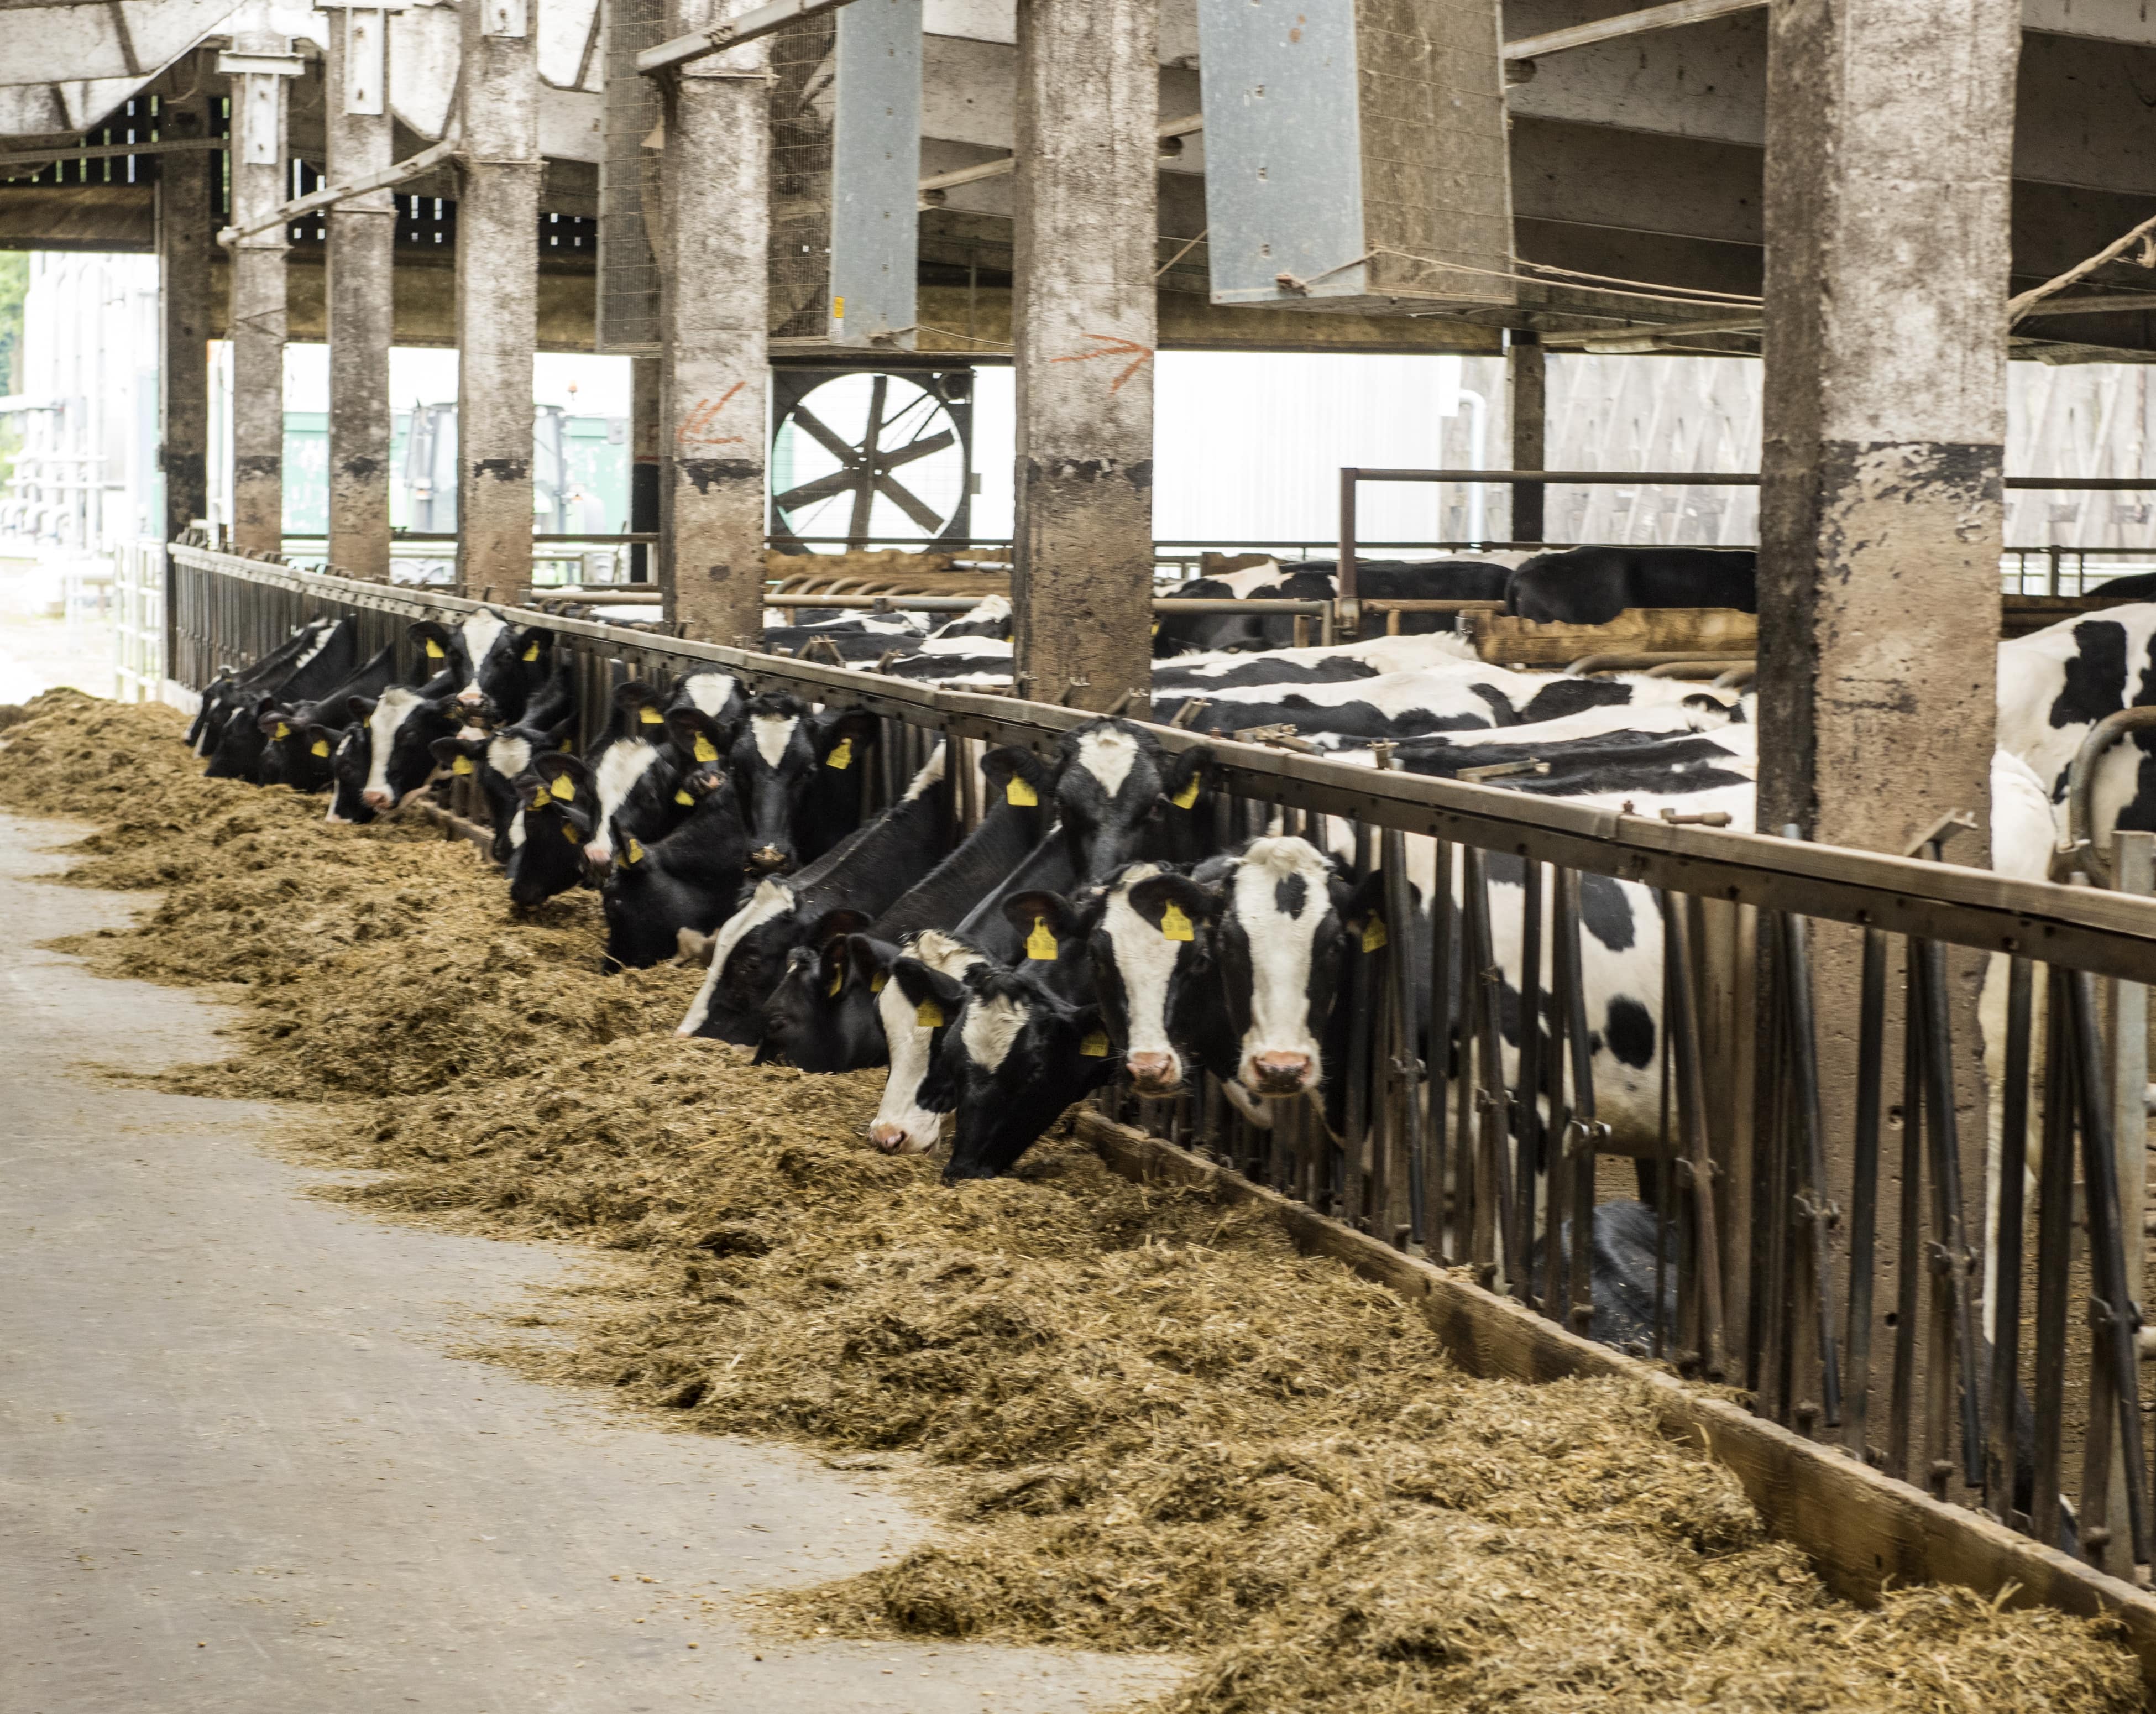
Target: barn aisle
x,y
243,1473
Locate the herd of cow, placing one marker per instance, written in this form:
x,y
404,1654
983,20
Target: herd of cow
x,y
1092,923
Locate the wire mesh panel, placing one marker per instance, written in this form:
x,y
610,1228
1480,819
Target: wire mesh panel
x,y
802,70
628,175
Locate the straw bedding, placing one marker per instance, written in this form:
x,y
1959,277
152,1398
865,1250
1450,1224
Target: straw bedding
x,y
1149,1423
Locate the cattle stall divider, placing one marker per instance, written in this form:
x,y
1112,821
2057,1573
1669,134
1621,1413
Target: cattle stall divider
x,y
1810,1242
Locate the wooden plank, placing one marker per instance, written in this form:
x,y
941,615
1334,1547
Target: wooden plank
x,y
1629,23
1861,1528
1720,631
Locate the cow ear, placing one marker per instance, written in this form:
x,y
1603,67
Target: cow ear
x,y
1029,912
926,988
449,752
320,734
1357,902
554,766
361,706
836,926
872,958
1012,767
533,643
1182,776
644,705
837,725
1089,1028
272,716
433,639
699,737
1192,902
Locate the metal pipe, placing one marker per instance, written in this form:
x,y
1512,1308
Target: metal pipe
x,y
2081,788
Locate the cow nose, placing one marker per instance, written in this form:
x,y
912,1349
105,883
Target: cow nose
x,y
374,799
1155,1071
471,699
769,859
599,854
890,1138
1279,1073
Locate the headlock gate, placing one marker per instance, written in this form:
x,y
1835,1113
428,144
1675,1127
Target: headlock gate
x,y
1807,1107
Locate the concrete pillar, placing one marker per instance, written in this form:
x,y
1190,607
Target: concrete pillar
x,y
362,239
257,69
497,296
1083,338
643,389
714,318
185,240
1527,384
1890,130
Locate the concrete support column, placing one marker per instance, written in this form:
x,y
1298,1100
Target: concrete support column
x,y
1527,376
1890,132
497,297
362,239
1083,338
185,240
714,341
644,390
257,69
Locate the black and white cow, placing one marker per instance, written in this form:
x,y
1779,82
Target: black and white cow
x,y
498,756
220,696
822,1016
515,667
236,747
797,774
1591,585
691,879
302,736
2056,683
547,834
867,872
1479,579
1120,794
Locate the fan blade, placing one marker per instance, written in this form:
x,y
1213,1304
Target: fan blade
x,y
917,449
905,501
823,488
846,454
872,435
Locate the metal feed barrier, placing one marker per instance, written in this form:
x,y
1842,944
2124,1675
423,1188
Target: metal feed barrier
x,y
1818,1171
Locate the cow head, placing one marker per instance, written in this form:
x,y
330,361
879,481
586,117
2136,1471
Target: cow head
x,y
448,667
1152,941
918,992
1106,788
299,753
1279,943
819,1017
401,725
513,664
546,836
748,957
686,882
1016,1057
779,754
350,762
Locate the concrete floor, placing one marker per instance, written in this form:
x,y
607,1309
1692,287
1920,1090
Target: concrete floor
x,y
239,1471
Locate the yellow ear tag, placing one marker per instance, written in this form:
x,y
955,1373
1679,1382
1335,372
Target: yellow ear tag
x,y
569,834
842,754
837,981
567,747
1374,933
877,981
282,731
649,716
463,764
632,852
684,797
1188,796
1095,1045
532,653
563,787
321,747
435,651
1156,628
928,1015
706,750
1040,943
1020,794
1174,925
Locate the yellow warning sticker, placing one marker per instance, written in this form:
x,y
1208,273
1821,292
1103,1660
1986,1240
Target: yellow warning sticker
x,y
1041,942
842,754
463,764
1095,1045
1374,933
321,747
1020,793
706,750
1174,925
563,787
1185,799
928,1015
838,309
435,651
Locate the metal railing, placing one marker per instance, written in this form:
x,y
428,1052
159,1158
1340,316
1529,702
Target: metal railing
x,y
1811,1073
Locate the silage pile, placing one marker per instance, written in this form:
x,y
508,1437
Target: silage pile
x,y
1151,1423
